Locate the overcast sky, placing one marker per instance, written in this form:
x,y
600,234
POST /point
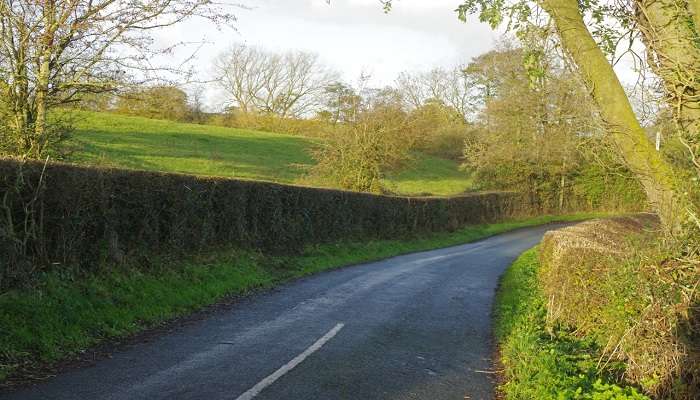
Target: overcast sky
x,y
350,36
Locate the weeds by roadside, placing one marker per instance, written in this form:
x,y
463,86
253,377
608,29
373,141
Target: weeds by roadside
x,y
543,365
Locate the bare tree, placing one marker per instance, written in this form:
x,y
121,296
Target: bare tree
x,y
414,89
196,104
52,51
451,87
289,85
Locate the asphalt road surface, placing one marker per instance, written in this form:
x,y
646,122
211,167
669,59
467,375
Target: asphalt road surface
x,y
411,327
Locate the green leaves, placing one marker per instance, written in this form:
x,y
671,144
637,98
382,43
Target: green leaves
x,y
490,11
386,5
533,63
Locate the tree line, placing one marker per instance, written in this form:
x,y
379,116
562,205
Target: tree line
x,y
509,131
57,54
590,36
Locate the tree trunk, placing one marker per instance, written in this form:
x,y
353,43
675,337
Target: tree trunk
x,y
629,137
671,40
671,37
18,98
43,77
41,106
561,192
562,186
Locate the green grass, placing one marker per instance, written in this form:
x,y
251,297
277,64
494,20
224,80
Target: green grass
x,y
64,314
429,175
155,145
542,364
140,143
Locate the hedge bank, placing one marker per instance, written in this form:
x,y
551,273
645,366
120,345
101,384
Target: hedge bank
x,y
541,362
54,214
619,283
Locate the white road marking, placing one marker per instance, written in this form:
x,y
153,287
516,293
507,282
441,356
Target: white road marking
x,y
322,305
255,390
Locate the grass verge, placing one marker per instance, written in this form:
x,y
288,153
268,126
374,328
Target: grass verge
x,y
546,365
65,314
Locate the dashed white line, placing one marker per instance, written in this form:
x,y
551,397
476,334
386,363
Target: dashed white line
x,y
255,390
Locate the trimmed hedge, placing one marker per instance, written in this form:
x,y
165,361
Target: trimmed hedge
x,y
619,283
61,214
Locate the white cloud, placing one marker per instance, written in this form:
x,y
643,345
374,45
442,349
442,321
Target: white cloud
x,y
349,35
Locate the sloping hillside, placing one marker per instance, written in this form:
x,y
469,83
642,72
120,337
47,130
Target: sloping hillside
x,y
155,145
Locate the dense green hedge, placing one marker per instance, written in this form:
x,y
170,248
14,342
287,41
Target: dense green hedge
x,y
60,214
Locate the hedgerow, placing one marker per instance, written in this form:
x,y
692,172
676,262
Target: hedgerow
x,y
55,214
634,294
61,314
542,363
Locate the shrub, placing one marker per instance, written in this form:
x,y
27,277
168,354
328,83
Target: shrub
x,y
356,157
439,130
159,102
540,364
618,283
59,214
267,122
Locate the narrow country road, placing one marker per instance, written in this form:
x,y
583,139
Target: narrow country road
x,y
411,327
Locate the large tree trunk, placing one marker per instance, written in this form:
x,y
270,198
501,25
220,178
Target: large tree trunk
x,y
630,138
671,36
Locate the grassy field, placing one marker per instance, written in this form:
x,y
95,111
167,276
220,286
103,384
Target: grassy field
x,y
540,363
64,314
428,175
155,145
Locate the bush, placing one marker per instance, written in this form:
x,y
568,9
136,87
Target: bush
x,y
158,102
618,283
67,215
439,130
357,157
599,187
540,364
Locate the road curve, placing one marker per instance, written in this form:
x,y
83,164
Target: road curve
x,y
415,326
